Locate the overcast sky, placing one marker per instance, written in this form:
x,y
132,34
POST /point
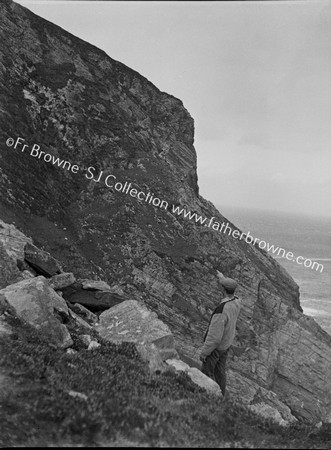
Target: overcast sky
x,y
255,76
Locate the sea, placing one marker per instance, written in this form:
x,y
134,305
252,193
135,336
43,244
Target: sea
x,y
306,236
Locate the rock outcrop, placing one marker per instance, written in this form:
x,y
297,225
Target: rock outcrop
x,y
95,295
9,272
131,321
61,280
42,262
12,243
36,303
85,313
263,401
96,118
196,376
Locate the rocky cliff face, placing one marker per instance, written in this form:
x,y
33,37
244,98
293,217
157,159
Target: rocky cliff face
x,y
102,120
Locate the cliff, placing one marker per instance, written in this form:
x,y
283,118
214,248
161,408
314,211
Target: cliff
x,y
68,99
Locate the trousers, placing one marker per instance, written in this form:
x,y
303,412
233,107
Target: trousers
x,y
214,367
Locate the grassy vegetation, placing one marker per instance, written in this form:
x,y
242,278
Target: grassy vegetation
x,y
119,398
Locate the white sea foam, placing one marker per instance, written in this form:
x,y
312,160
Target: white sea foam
x,y
311,237
315,312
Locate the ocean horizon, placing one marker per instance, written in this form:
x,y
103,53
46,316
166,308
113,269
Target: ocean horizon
x,y
303,235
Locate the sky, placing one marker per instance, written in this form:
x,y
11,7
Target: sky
x,y
255,76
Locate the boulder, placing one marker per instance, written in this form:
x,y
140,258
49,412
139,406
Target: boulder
x,y
168,353
24,267
152,355
42,262
12,266
9,272
5,328
34,302
26,274
84,313
80,323
61,280
95,285
92,298
85,339
249,393
132,321
93,345
196,376
13,240
267,412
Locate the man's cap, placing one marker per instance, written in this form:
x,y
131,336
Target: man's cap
x,y
229,283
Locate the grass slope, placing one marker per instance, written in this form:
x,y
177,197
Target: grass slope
x,y
100,397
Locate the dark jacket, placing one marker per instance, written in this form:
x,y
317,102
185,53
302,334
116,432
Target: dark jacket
x,y
222,326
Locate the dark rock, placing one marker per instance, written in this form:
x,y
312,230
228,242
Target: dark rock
x,y
79,322
94,300
42,262
83,312
24,266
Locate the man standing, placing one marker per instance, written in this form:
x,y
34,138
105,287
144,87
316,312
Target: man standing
x,y
220,333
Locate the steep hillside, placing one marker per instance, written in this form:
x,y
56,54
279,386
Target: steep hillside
x,y
106,123
108,397
72,377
